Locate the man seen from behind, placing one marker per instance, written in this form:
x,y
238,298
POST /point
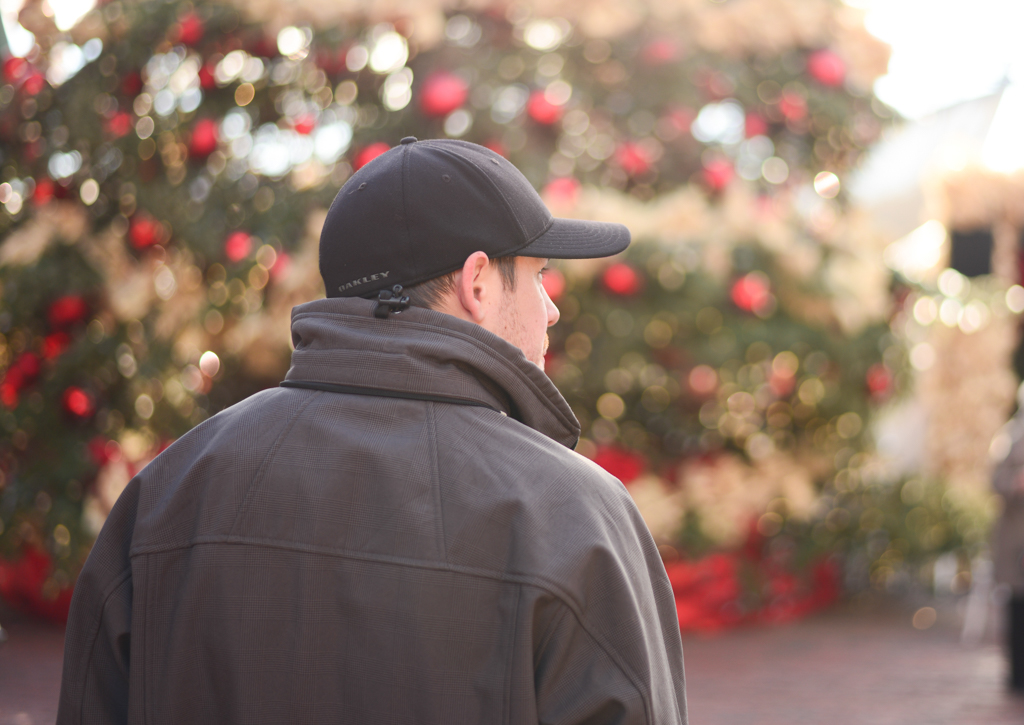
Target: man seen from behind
x,y
401,532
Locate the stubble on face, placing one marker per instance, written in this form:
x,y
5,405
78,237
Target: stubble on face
x,y
515,331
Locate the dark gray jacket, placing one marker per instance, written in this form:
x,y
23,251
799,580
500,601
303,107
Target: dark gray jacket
x,y
309,556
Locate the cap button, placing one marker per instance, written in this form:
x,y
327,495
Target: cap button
x,y
409,139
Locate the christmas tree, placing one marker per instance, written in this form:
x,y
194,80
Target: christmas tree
x,y
166,170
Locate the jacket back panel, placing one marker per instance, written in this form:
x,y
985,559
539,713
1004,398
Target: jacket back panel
x,y
316,574
315,557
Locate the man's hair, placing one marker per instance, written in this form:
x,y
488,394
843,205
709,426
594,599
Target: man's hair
x,y
429,294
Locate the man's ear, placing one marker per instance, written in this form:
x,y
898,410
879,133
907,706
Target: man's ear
x,y
473,286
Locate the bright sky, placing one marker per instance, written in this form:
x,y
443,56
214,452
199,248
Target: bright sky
x,y
945,51
948,51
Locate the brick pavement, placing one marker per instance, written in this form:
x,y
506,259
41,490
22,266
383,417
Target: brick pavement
x,y
856,664
848,666
30,663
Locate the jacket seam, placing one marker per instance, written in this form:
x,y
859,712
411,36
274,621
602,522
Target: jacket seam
x,y
261,471
610,653
511,655
551,587
435,475
369,392
146,652
114,586
551,628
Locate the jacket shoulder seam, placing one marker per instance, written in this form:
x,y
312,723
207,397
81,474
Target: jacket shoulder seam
x,y
549,586
606,647
114,586
554,625
264,464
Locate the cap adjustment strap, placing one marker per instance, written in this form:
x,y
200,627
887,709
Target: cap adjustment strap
x,y
389,301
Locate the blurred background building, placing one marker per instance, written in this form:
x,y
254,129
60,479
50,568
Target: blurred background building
x,y
797,369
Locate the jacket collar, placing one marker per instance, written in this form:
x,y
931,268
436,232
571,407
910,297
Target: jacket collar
x,y
419,351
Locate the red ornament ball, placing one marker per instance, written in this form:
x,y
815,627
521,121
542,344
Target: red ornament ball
x,y
44,192
55,344
304,124
34,83
624,465
827,68
564,191
369,153
751,292
281,266
262,46
879,380
8,394
237,246
442,93
144,231
204,138
782,384
24,585
661,51
793,106
119,124
207,79
67,311
190,29
104,451
15,69
621,279
718,173
755,125
497,147
703,380
541,110
28,365
78,402
131,84
21,373
679,119
633,158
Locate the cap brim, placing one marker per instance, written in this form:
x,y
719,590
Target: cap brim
x,y
578,239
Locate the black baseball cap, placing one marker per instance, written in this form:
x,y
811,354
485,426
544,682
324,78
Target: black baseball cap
x,y
419,210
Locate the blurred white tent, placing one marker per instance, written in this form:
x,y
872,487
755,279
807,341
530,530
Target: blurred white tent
x,y
892,182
